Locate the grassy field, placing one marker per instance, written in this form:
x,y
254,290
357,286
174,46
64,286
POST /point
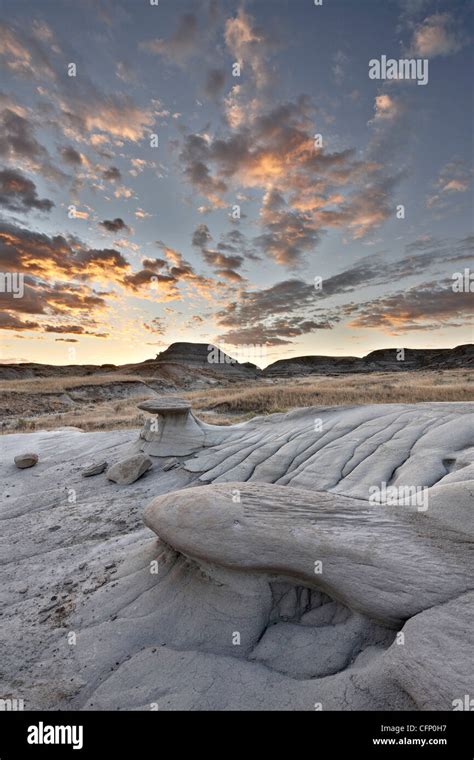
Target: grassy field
x,y
230,404
60,384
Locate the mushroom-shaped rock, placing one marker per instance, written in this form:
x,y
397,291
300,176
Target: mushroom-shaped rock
x,y
173,431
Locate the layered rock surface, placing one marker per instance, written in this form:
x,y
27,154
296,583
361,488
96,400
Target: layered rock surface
x,y
266,579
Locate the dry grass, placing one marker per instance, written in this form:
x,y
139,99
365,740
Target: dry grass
x,y
376,388
227,405
60,384
108,415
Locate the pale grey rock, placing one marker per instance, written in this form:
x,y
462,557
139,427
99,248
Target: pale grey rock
x,y
24,461
173,429
170,464
128,470
94,469
361,547
315,652
235,618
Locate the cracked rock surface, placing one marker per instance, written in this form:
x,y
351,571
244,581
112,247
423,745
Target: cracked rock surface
x,y
264,576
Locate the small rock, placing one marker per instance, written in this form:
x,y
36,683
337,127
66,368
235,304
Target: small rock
x,y
23,461
22,589
170,464
94,469
129,470
109,565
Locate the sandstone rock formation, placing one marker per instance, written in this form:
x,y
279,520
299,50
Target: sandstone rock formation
x,y
267,575
387,360
172,430
187,359
205,356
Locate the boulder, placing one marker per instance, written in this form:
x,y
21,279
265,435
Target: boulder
x,y
23,461
129,470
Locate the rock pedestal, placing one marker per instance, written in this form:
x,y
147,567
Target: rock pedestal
x,y
173,430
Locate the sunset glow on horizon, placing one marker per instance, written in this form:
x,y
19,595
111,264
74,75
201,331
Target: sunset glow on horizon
x,y
228,173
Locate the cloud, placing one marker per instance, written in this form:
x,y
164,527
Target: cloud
x,y
306,189
202,236
60,301
19,145
26,55
162,277
182,44
277,335
114,225
455,177
364,209
12,322
57,257
125,72
72,330
141,214
156,326
269,316
339,68
83,109
60,276
17,193
251,46
272,316
112,174
154,264
89,112
164,284
293,307
225,265
437,35
215,83
17,137
426,307
71,156
386,108
289,233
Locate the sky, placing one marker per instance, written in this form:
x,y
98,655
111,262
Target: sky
x,y
229,172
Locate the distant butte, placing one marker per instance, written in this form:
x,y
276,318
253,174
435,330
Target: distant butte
x,y
210,364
